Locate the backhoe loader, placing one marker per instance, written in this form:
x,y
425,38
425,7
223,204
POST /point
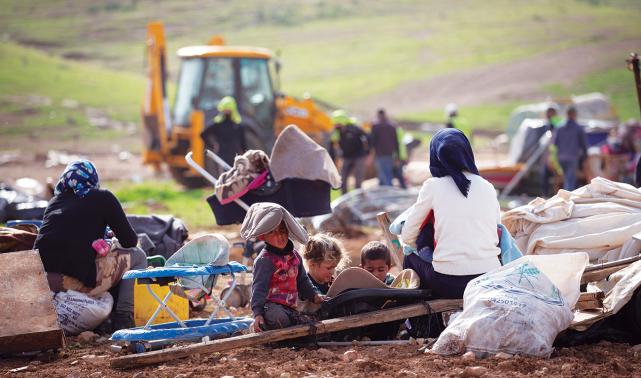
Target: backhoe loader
x,y
207,74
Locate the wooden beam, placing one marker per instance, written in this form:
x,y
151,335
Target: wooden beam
x,y
392,241
598,272
318,328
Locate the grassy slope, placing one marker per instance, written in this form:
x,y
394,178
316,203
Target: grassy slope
x,y
337,50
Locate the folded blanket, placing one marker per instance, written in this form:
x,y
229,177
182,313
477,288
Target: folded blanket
x,y
249,172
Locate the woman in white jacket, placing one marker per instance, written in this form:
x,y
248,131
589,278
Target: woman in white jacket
x,y
463,209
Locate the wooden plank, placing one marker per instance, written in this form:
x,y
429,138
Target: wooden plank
x,y
28,320
321,327
392,241
588,305
598,275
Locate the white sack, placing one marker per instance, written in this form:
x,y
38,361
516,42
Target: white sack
x,y
516,309
78,312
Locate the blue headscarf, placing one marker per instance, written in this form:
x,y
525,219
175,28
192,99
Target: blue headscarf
x,y
450,155
80,176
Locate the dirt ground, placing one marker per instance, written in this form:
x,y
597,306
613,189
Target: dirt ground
x,y
603,359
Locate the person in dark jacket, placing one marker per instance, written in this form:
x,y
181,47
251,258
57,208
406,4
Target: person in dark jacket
x,y
551,123
74,226
226,137
385,144
354,146
571,143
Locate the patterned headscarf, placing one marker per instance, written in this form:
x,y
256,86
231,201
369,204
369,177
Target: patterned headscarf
x,y
450,155
80,177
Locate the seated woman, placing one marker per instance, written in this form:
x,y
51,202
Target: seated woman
x,y
76,216
465,212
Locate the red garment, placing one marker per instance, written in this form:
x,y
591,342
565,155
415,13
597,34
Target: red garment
x,y
282,287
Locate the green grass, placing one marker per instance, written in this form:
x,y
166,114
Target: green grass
x,y
166,197
490,116
337,50
617,83
28,72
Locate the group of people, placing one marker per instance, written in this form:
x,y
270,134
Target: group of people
x,y
354,144
456,202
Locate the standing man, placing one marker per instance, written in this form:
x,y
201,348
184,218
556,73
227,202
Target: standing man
x,y
552,121
571,144
354,147
226,137
385,144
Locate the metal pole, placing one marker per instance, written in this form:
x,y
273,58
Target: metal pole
x,y
633,65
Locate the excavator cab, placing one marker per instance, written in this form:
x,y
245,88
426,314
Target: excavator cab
x,y
207,77
207,74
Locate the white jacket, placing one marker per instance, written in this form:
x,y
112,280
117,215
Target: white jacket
x,y
464,228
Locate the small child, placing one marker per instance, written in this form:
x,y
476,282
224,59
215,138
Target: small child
x,y
376,259
323,255
279,274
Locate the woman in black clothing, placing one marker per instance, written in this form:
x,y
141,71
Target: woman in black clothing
x,y
75,218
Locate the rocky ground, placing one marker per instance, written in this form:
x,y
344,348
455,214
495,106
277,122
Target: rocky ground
x,y
92,360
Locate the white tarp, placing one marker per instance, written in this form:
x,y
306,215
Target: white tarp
x,y
600,219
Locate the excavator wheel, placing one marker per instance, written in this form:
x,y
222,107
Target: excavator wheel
x,y
182,176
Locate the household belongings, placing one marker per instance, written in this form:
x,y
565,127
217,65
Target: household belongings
x,y
300,178
195,267
356,291
599,218
159,234
518,309
79,312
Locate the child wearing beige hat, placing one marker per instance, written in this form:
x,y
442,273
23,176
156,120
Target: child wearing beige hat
x,y
279,275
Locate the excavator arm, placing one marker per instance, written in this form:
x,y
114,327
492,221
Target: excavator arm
x,y
155,109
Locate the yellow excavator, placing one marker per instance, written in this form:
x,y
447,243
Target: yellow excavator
x,y
207,74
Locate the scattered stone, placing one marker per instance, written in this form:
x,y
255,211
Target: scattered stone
x,y
505,365
285,375
139,374
227,376
503,356
96,374
473,371
183,375
101,340
73,362
325,353
420,341
17,370
469,356
115,348
88,356
87,337
350,355
406,374
413,341
566,367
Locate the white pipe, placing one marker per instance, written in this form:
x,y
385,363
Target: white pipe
x,y
208,176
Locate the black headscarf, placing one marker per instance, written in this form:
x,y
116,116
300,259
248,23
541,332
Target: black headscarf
x,y
450,155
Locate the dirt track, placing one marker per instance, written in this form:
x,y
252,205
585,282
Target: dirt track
x,y
520,80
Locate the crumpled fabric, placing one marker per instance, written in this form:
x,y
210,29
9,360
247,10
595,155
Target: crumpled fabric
x,y
263,217
599,218
249,172
296,155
